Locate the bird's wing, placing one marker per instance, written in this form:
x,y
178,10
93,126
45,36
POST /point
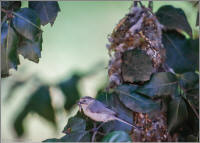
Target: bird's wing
x,y
98,107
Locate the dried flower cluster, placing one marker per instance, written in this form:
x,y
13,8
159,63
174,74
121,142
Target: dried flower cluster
x,y
154,128
139,29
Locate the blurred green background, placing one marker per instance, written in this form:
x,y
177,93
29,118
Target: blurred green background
x,y
77,41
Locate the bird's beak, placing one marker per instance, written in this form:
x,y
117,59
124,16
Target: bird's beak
x,y
79,105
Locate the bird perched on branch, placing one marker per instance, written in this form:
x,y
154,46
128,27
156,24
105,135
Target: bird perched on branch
x,y
98,111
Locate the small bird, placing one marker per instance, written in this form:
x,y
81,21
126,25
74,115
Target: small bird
x,y
98,111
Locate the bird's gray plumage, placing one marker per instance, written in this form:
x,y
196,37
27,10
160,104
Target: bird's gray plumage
x,y
98,107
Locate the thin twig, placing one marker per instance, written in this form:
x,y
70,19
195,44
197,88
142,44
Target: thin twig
x,y
96,131
141,4
197,20
150,5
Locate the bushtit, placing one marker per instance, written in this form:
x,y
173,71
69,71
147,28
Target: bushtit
x,y
97,111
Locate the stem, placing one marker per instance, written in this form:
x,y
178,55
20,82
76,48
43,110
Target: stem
x,y
150,5
96,131
141,4
135,3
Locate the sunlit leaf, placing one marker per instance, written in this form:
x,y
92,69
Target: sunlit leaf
x,y
117,136
163,83
47,10
173,18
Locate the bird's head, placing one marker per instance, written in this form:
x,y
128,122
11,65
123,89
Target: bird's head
x,y
85,100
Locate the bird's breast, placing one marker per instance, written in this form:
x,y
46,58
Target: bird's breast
x,y
99,117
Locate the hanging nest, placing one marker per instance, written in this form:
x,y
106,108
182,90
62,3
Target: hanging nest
x,y
136,51
135,48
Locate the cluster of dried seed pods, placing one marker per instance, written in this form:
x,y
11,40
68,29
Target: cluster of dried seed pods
x,y
138,29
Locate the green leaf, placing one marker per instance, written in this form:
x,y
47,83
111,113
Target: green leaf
x,y
136,66
11,5
31,49
52,140
188,80
40,103
27,23
173,18
177,114
75,124
182,54
79,136
9,42
192,53
163,83
193,96
193,116
134,101
47,10
70,89
19,122
117,136
191,138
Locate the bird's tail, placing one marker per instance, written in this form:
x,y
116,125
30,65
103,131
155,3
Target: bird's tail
x,y
123,121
